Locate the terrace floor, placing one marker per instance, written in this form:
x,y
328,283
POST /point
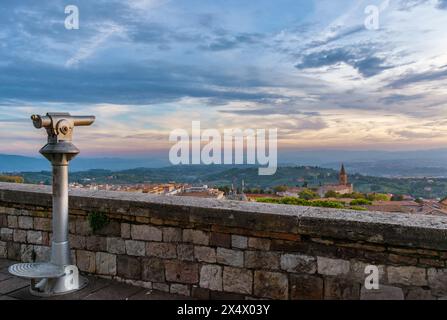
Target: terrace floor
x,y
13,288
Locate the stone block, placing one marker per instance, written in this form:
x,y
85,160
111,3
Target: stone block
x,y
211,277
398,259
19,235
306,287
180,289
237,280
172,234
262,260
105,263
13,250
27,253
234,258
125,231
239,242
25,222
13,222
298,263
128,267
161,250
437,280
34,237
419,294
341,289
185,252
153,270
6,234
196,237
218,239
116,245
183,272
259,243
43,254
383,293
111,229
46,238
96,243
426,262
77,242
272,285
42,224
145,232
3,250
82,227
332,267
135,248
86,261
410,276
205,254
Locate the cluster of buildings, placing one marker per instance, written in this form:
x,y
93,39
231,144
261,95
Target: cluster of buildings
x,y
171,188
343,187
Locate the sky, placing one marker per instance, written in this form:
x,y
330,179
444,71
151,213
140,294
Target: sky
x,y
310,68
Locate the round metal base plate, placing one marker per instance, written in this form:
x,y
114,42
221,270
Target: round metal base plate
x,y
36,270
83,282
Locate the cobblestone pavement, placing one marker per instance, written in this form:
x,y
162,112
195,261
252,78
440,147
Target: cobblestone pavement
x,y
13,288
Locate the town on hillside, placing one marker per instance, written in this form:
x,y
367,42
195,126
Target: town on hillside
x,y
341,195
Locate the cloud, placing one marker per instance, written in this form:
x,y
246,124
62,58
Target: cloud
x,y
411,134
410,4
92,45
415,77
226,43
290,111
399,98
129,84
362,60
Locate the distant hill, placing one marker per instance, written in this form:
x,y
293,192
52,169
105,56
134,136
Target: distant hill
x,y
227,175
15,163
426,163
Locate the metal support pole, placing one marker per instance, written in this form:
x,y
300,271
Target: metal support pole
x,y
58,276
60,249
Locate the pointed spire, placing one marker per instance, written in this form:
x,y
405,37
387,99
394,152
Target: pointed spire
x,y
343,177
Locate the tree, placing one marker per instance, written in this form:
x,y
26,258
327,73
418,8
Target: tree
x,y
280,188
360,202
308,194
331,194
377,197
13,179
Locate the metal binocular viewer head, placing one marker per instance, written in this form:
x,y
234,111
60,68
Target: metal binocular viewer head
x,y
59,127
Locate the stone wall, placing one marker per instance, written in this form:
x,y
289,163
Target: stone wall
x,y
224,249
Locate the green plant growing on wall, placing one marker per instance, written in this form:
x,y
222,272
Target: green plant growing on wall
x,y
97,221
